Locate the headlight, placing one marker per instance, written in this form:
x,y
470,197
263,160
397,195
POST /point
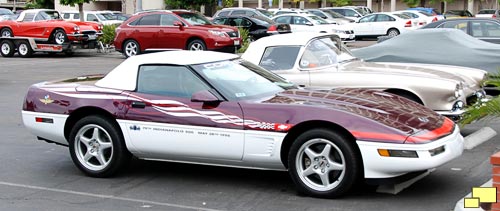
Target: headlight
x,y
217,33
76,28
458,91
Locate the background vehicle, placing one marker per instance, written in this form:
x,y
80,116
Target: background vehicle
x,y
239,11
422,18
215,109
488,13
165,30
103,17
6,14
486,29
351,13
319,61
331,16
457,14
313,23
257,26
378,24
290,11
432,11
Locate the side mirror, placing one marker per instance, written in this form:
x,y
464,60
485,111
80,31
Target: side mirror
x,y
204,96
179,24
309,24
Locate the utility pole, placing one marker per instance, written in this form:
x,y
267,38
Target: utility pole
x,y
138,7
14,6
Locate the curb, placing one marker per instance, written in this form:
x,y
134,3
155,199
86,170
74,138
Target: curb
x,y
482,135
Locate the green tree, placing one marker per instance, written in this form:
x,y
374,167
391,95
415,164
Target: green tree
x,y
186,4
76,2
339,3
38,4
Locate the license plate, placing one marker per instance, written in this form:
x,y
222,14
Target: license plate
x,y
236,42
92,37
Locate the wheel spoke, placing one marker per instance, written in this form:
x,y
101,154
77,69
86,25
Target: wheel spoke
x,y
104,145
95,134
101,159
335,165
308,171
325,179
326,150
84,140
87,156
311,154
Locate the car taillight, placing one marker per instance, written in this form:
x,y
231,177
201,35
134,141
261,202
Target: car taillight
x,y
435,19
494,16
272,28
408,24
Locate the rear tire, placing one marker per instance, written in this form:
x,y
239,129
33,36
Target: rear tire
x,y
7,48
97,147
323,163
131,48
6,32
24,49
392,32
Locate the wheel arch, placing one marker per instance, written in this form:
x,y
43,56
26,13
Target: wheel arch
x,y
304,126
83,112
406,93
194,38
387,32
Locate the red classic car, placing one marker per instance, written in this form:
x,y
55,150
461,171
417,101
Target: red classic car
x,y
216,109
46,25
163,30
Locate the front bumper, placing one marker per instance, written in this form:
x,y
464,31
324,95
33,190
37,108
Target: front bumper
x,y
377,166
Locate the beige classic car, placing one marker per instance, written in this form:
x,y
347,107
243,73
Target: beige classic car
x,y
321,61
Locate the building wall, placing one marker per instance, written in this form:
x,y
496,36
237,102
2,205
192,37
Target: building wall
x,y
130,6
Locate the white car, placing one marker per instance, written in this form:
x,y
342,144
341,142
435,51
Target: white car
x,y
352,13
330,16
421,17
103,17
378,24
488,13
313,23
290,11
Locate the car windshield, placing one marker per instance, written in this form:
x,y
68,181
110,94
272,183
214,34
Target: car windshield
x,y
323,52
403,16
317,20
240,80
107,16
50,15
361,11
333,14
195,19
6,12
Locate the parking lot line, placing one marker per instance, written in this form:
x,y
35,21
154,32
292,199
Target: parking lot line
x,y
104,196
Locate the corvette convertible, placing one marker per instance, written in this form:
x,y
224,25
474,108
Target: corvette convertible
x,y
48,26
217,109
320,61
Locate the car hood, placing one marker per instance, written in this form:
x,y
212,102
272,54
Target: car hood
x,y
85,26
406,118
408,70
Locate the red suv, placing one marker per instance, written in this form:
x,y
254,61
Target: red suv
x,y
166,30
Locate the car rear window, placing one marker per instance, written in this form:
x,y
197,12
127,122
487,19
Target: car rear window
x,y
486,12
150,20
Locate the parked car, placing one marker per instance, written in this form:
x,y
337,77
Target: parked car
x,y
457,14
432,11
55,29
486,29
365,9
103,17
378,24
351,13
331,16
488,13
290,11
215,109
318,61
239,11
163,30
6,14
267,13
453,47
421,17
313,23
257,26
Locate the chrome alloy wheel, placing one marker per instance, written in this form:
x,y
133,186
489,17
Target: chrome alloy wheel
x,y
60,37
131,49
93,147
6,33
196,47
393,33
5,48
320,164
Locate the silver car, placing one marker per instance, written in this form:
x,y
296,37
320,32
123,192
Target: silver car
x,y
320,61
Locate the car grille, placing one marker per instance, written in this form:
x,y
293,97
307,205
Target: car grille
x,y
89,32
233,34
349,32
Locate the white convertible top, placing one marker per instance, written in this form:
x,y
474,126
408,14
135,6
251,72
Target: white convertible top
x,y
124,76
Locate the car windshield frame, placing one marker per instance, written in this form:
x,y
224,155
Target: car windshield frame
x,y
333,14
238,79
316,20
266,13
328,47
187,16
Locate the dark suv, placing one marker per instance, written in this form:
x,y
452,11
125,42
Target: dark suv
x,y
166,30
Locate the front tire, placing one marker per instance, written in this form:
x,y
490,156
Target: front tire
x,y
196,45
7,48
59,37
24,49
97,147
323,163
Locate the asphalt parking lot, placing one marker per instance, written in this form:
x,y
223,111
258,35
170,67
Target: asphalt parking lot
x,y
35,175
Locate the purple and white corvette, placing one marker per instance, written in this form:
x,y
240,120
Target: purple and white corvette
x,y
216,109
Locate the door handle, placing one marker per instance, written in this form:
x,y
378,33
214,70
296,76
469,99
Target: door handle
x,y
137,104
